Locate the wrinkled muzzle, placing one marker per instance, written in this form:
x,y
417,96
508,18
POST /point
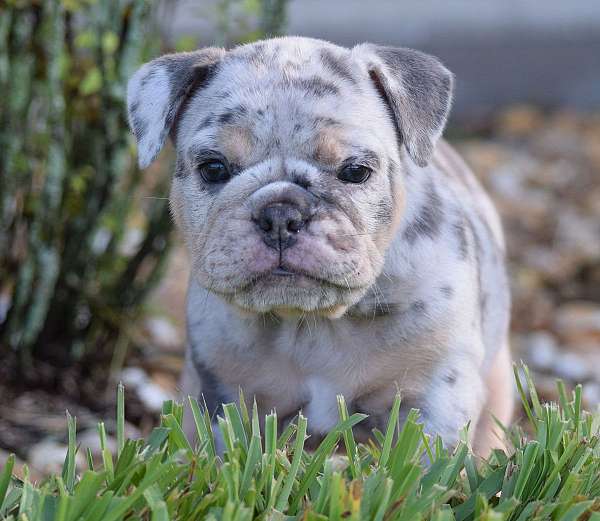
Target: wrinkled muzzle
x,y
286,250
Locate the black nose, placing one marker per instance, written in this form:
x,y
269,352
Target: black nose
x,y
280,223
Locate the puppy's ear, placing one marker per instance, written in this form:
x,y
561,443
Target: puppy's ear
x,y
418,90
156,92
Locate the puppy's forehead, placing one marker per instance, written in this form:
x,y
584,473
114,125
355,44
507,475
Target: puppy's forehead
x,y
284,75
276,74
291,94
291,58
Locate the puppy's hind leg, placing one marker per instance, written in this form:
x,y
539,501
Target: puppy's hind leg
x,y
499,404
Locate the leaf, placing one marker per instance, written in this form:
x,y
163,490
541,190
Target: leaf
x,y
110,42
91,82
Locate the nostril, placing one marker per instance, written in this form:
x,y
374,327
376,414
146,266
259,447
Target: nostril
x,y
295,225
265,223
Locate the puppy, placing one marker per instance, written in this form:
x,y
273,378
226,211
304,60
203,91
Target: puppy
x,y
337,245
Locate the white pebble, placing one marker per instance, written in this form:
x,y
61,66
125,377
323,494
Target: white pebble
x,y
133,377
591,394
572,367
150,394
153,396
542,350
48,457
162,332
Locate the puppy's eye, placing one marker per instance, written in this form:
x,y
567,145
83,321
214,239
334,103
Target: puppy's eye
x,y
214,171
354,173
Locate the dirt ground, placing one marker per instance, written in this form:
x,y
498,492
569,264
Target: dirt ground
x,y
543,172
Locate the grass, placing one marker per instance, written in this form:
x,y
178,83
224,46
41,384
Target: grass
x,y
266,474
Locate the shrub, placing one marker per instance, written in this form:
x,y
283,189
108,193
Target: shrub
x,y
264,474
70,275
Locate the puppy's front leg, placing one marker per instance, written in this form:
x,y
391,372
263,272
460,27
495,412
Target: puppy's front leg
x,y
454,398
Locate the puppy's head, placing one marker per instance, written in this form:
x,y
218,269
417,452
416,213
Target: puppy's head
x,y
289,181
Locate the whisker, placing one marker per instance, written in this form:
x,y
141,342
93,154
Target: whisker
x,y
349,234
347,283
387,276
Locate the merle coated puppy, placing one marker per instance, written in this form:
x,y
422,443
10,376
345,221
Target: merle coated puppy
x,y
337,244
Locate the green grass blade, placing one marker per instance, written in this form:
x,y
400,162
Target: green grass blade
x,y
523,396
232,414
203,427
390,431
86,490
107,459
349,441
323,451
5,477
529,457
176,434
120,418
283,498
68,472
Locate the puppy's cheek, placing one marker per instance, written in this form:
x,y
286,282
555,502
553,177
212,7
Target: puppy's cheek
x,y
333,251
177,204
189,210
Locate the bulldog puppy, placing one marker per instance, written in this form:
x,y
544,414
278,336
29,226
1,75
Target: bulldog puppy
x,y
337,245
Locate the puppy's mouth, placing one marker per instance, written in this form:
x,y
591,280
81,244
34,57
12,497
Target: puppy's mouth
x,y
282,271
290,275
291,292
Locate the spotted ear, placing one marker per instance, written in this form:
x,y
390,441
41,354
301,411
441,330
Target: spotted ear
x,y
156,92
418,90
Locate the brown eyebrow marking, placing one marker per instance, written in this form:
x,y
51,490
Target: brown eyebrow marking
x,y
331,150
236,143
329,147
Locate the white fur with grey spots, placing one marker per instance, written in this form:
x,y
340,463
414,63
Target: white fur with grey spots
x,y
337,245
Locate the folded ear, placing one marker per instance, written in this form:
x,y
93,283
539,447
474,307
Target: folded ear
x,y
418,90
156,92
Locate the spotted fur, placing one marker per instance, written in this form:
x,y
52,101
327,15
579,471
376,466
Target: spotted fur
x,y
399,281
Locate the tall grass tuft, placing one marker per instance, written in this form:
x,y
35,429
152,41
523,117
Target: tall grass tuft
x,y
265,474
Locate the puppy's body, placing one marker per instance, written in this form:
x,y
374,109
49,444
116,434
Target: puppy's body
x,y
391,282
431,326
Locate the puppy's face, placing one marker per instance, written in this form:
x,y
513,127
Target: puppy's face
x,y
288,186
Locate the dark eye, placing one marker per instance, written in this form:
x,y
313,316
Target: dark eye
x,y
354,173
214,171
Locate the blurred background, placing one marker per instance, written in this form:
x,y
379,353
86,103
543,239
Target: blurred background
x,y
92,277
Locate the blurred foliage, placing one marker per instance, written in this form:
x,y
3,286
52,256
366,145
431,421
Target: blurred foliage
x,y
72,273
80,245
241,21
